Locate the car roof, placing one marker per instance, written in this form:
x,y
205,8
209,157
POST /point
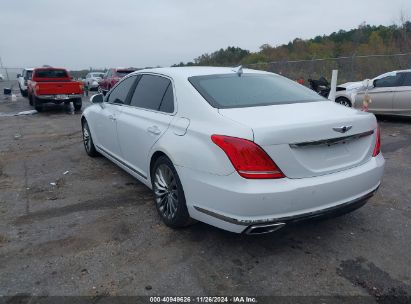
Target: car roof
x,y
49,68
186,72
124,69
402,71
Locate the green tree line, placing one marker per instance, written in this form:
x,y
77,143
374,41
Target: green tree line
x,y
363,40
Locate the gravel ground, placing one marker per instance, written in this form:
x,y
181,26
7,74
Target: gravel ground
x,y
95,230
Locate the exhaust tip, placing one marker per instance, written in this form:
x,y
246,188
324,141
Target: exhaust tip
x,y
263,228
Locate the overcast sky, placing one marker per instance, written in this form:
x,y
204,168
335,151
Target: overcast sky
x,y
82,33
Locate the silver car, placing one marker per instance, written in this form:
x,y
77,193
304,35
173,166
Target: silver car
x,y
390,93
92,79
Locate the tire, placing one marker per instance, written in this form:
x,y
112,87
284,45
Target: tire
x,y
169,194
88,140
30,99
38,105
77,104
24,93
344,101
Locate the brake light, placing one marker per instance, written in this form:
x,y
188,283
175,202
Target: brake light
x,y
37,87
249,159
377,148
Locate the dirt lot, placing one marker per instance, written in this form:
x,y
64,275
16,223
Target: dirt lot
x,y
96,231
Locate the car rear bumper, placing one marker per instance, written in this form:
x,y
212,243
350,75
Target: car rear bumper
x,y
58,98
234,203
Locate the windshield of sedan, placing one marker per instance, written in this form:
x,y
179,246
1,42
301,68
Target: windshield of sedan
x,y
251,90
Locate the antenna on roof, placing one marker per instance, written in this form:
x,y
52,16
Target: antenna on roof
x,y
238,70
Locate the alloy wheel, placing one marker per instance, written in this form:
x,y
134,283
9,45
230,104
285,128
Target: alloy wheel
x,y
165,191
344,102
86,138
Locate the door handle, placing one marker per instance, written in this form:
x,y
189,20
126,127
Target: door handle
x,y
112,117
154,130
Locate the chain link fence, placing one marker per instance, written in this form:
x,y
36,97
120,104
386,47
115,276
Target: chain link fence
x,y
354,68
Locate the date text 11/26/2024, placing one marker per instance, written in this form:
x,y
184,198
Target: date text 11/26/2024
x,y
204,299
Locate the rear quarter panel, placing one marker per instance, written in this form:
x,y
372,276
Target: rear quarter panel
x,y
194,149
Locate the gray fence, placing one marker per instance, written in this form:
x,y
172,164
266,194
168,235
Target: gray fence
x,y
354,68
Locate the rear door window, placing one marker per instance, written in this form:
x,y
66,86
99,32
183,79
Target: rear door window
x,y
154,93
167,104
407,79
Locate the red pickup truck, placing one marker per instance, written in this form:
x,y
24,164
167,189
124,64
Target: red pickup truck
x,y
53,85
111,77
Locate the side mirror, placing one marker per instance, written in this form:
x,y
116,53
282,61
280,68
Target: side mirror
x,y
18,75
97,98
367,83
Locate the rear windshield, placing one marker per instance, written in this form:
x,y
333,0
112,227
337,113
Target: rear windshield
x,y
97,74
124,72
251,90
51,73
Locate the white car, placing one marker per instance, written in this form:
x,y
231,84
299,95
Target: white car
x,y
390,93
23,78
344,93
244,150
92,79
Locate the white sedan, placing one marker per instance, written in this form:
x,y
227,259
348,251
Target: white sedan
x,y
244,150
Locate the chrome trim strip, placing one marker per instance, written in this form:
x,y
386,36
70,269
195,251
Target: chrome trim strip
x,y
285,219
121,162
332,141
54,97
223,217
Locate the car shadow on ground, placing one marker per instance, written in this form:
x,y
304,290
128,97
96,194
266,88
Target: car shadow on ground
x,y
53,109
393,119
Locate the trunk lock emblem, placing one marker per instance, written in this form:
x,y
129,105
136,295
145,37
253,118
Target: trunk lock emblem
x,y
342,129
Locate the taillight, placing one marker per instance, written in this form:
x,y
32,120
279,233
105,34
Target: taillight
x,y
249,159
37,87
377,148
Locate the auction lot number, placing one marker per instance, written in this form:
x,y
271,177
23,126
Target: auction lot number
x,y
203,300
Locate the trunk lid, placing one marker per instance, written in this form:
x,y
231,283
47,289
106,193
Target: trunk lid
x,y
300,138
